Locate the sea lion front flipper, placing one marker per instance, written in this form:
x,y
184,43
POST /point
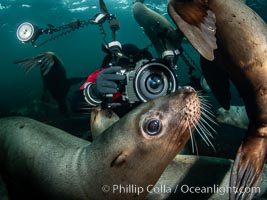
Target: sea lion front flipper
x,y
45,60
29,63
218,81
197,23
248,166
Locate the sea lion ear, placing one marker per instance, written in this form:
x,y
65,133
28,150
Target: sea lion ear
x,y
119,160
197,23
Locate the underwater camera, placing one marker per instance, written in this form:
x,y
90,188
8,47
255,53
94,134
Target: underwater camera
x,y
145,79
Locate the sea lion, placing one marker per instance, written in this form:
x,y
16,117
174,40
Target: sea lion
x,y
158,29
42,162
241,57
235,116
53,75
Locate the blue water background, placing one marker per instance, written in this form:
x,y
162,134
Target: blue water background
x,y
80,51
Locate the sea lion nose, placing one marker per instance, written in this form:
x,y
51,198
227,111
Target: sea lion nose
x,y
188,88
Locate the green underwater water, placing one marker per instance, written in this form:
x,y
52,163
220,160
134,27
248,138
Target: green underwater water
x,y
81,53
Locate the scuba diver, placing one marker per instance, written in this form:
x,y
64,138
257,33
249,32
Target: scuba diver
x,y
105,80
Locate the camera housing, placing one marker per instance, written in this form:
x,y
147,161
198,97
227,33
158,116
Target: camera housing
x,y
146,80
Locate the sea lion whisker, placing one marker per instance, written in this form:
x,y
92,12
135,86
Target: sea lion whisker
x,y
200,93
195,144
202,134
208,115
203,97
204,104
194,140
204,107
206,129
191,136
204,115
211,132
205,122
204,100
207,111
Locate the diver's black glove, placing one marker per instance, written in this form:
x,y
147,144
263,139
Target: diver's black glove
x,y
106,82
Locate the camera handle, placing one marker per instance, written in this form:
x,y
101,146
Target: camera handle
x,y
115,49
114,26
171,56
29,33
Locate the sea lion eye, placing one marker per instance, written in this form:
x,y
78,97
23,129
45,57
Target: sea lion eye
x,y
153,126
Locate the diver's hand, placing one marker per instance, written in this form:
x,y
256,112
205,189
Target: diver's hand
x,y
106,81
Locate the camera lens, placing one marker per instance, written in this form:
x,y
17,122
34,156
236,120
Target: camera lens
x,y
154,79
154,83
